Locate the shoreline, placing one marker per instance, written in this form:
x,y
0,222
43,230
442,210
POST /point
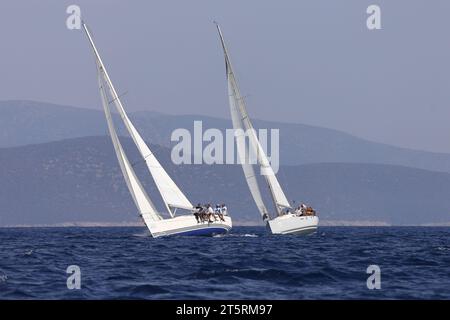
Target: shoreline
x,y
326,223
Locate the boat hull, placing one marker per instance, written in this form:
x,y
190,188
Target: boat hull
x,y
293,224
188,226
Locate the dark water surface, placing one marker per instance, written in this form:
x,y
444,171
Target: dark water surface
x,y
125,263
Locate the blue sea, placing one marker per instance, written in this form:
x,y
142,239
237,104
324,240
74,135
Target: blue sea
x,y
126,263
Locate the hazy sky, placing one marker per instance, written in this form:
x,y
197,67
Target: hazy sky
x,y
311,61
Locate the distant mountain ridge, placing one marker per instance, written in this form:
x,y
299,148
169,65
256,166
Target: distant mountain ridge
x,y
28,122
78,180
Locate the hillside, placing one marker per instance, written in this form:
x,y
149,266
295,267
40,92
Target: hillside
x,y
79,180
27,122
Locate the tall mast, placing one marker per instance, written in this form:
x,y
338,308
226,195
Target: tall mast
x,y
277,194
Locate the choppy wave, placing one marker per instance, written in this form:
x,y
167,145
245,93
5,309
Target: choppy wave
x,y
126,263
251,235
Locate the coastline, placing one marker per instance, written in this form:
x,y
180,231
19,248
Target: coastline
x,y
325,223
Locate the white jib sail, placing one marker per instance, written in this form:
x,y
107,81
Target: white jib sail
x,y
172,196
242,149
237,104
140,197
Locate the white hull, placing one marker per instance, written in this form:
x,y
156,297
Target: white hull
x,y
293,224
188,226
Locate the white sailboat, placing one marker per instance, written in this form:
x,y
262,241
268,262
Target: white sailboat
x,y
172,196
289,223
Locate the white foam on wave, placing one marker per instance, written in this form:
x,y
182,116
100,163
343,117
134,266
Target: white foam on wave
x,y
249,235
141,235
246,235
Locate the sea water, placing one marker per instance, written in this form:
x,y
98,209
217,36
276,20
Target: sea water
x,y
248,263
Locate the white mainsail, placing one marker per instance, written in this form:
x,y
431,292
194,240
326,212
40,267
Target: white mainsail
x,y
140,197
172,196
241,119
243,151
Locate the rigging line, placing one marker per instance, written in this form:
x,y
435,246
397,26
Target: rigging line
x,y
136,163
244,97
286,185
117,98
144,159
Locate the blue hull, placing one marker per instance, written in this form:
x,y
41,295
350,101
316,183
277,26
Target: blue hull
x,y
208,232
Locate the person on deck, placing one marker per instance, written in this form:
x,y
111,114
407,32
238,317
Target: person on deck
x,y
303,208
201,212
218,212
197,212
224,209
210,212
204,213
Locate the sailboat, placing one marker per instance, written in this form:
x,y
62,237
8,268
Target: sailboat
x,y
281,222
173,198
